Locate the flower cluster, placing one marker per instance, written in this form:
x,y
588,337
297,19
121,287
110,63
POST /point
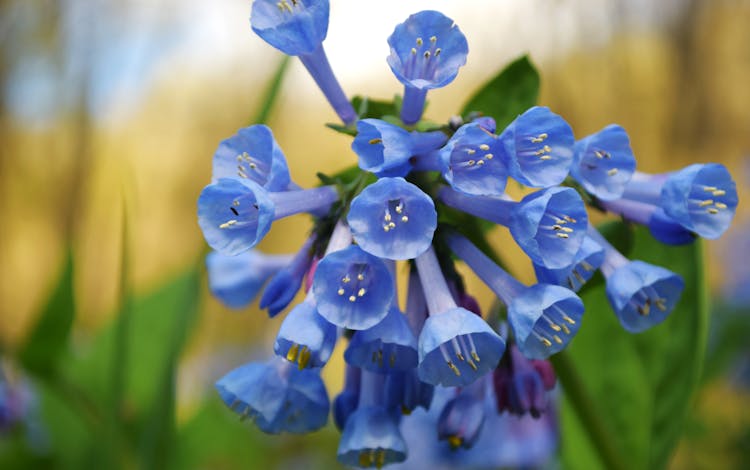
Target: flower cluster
x,y
387,211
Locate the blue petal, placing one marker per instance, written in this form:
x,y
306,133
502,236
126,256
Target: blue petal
x,y
420,62
389,345
588,259
667,230
540,146
447,334
353,288
643,295
604,163
550,226
371,438
305,337
276,396
404,391
393,219
461,420
475,162
236,280
701,197
292,26
544,319
252,153
383,149
234,215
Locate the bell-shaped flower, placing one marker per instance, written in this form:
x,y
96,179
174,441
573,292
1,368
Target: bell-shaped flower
x,y
389,345
588,259
549,225
371,436
404,391
236,280
426,52
387,150
544,317
456,347
393,219
641,294
284,285
294,27
520,387
276,396
604,162
235,215
539,145
305,337
663,227
700,197
461,419
353,288
252,154
475,162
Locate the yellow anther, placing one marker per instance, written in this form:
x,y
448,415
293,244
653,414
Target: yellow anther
x,y
228,224
719,192
546,342
569,219
475,356
557,339
454,368
579,277
612,172
427,54
405,411
380,459
455,442
392,359
557,227
404,218
480,162
419,42
375,141
471,151
586,266
387,217
554,326
346,279
569,320
340,291
460,356
433,39
545,157
471,162
239,158
720,205
710,189
361,292
705,203
489,156
438,51
252,165
391,225
646,309
484,147
413,51
291,355
386,228
567,229
235,202
539,138
304,357
472,365
364,459
660,303
713,211
380,358
399,209
352,298
545,149
565,329
561,235
360,277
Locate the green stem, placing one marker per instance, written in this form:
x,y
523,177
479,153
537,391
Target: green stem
x,y
272,92
582,403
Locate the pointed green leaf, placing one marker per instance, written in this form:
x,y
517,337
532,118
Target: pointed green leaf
x,y
511,92
640,386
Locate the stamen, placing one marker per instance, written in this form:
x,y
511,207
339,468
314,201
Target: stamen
x,y
720,205
489,156
480,162
346,279
612,172
472,365
419,42
438,51
352,298
484,147
413,51
475,356
710,189
291,355
392,359
545,157
304,357
471,151
426,54
433,39
719,192
375,141
586,266
361,292
712,211
562,235
404,219
557,339
538,139
454,368
228,224
565,329
705,203
340,291
360,277
455,442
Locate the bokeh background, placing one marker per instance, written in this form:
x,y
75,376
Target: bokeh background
x,y
112,107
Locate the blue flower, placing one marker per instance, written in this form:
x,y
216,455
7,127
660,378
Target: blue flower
x,y
387,150
389,345
604,162
662,227
393,219
588,259
252,153
539,144
456,346
353,288
641,294
235,215
236,280
284,285
426,52
305,337
292,26
544,317
549,225
700,197
475,161
519,385
371,438
461,419
404,391
276,396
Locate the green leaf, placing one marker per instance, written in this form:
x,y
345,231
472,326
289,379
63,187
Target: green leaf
x,y
49,338
370,108
272,92
635,388
511,92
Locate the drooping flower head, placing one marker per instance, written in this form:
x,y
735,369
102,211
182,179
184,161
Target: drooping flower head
x,y
456,346
284,285
539,144
353,288
236,280
292,26
235,215
603,162
389,345
252,153
474,161
426,52
588,259
461,419
276,396
383,148
393,219
305,337
641,294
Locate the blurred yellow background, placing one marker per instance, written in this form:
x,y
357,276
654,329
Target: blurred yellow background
x,y
112,101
